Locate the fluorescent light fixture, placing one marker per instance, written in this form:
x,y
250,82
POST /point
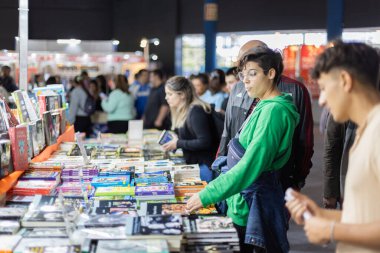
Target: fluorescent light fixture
x,y
69,41
115,42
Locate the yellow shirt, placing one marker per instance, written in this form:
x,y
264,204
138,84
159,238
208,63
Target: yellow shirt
x,y
362,204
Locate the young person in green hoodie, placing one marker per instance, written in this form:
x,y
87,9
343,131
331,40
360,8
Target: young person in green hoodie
x,y
251,186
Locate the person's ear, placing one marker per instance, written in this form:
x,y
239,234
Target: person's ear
x,y
346,81
271,74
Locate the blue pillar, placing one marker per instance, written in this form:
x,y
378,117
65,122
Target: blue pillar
x,y
210,12
334,19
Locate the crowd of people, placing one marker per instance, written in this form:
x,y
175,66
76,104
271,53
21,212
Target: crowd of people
x,y
267,141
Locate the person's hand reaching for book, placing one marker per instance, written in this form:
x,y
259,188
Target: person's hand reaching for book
x,y
171,145
194,203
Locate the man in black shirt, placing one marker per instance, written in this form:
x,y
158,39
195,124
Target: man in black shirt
x,y
6,80
157,109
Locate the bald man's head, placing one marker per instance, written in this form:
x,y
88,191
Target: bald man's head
x,y
249,46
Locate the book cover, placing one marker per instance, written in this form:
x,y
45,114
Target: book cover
x,y
40,175
52,89
32,131
104,220
19,147
49,128
111,181
38,218
214,224
42,104
11,213
6,167
153,190
44,233
176,208
165,137
40,135
161,224
54,249
153,177
117,170
11,119
4,124
9,227
115,191
133,246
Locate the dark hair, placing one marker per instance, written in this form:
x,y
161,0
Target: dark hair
x,y
218,74
51,80
139,73
102,82
203,77
232,71
358,59
159,73
266,58
6,67
84,73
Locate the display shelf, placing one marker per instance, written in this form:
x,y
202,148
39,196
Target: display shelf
x,y
7,182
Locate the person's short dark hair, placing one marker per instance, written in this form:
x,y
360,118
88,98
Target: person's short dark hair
x,y
358,59
232,71
51,80
203,77
140,72
266,58
218,74
6,67
84,73
159,73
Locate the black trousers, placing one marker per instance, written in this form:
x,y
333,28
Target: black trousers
x,y
117,126
83,124
246,248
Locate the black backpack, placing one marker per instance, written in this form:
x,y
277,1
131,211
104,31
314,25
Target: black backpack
x,y
89,104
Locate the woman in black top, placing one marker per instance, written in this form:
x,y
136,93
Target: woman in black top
x,y
192,121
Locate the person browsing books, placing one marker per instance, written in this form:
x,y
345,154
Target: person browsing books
x,y
261,148
191,119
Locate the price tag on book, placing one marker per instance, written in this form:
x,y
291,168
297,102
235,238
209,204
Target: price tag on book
x,y
81,148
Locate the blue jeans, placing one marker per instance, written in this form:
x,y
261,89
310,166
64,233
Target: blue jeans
x,y
206,173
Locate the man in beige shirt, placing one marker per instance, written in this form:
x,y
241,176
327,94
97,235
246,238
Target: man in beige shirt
x,y
347,75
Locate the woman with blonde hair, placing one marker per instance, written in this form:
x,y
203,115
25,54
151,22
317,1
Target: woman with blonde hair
x,y
119,105
191,119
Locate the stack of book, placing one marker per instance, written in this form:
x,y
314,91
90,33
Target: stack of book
x,y
210,233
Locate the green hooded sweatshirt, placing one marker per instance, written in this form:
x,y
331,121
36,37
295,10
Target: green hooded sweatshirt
x,y
267,139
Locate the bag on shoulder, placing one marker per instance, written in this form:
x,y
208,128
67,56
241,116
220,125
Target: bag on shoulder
x,y
89,104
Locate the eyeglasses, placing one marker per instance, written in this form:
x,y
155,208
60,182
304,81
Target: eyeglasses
x,y
251,74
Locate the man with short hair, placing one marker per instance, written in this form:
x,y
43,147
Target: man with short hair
x,y
240,105
6,80
156,109
347,75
